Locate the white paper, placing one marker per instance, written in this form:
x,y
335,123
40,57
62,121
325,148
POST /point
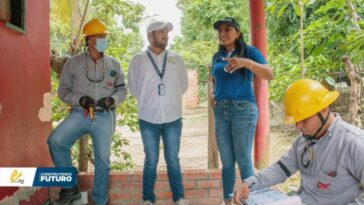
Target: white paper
x,y
272,197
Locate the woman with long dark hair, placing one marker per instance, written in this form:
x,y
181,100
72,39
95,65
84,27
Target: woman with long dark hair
x,y
234,67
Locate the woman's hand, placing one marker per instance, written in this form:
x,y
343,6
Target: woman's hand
x,y
212,100
263,71
237,63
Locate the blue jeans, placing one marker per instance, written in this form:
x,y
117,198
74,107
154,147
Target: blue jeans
x,y
235,123
101,130
171,136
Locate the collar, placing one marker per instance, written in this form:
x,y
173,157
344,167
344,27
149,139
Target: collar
x,y
229,54
333,126
87,52
156,55
330,130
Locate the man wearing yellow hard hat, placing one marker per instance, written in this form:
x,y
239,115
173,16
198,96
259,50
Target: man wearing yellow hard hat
x,y
93,85
328,153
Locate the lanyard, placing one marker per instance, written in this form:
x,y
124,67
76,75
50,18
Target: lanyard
x,y
87,71
229,55
307,148
155,65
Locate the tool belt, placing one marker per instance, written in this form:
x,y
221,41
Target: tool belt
x,y
96,110
103,110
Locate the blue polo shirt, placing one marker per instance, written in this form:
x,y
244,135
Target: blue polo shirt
x,y
235,86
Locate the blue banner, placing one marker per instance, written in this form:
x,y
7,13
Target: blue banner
x,y
55,176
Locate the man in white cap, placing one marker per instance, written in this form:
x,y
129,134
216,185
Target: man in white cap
x,y
158,79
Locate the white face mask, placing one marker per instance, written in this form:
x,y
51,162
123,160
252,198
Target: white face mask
x,y
101,44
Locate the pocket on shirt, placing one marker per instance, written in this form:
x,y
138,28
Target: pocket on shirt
x,y
331,183
110,78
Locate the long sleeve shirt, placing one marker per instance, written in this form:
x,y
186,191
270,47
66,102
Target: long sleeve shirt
x,y
335,175
144,83
81,76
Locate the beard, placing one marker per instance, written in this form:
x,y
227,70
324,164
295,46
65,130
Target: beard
x,y
161,45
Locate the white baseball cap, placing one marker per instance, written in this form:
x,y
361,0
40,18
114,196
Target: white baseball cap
x,y
158,25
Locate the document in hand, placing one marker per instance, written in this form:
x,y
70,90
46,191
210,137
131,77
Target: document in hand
x,y
272,197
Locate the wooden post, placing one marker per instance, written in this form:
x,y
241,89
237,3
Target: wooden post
x,y
212,152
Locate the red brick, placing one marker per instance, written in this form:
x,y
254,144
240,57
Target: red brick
x,y
201,187
210,200
120,177
120,202
85,184
164,195
194,201
161,185
196,193
195,175
131,186
187,185
85,176
162,176
118,196
132,202
137,195
215,192
137,176
215,174
208,184
114,184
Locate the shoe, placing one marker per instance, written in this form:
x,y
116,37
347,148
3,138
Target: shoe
x,y
182,202
147,203
66,196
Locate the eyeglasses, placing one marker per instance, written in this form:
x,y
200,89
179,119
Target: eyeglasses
x,y
95,78
309,158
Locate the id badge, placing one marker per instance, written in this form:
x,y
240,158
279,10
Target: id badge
x,y
162,89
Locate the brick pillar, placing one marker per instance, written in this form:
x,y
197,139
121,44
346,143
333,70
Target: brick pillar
x,y
190,98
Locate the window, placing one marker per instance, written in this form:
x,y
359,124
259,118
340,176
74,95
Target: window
x,y
13,13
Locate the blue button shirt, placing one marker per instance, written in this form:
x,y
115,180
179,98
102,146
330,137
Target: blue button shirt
x,y
236,85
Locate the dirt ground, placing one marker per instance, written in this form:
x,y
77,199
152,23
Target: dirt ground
x,y
193,151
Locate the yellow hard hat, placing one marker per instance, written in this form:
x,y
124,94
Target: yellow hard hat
x,y
304,98
94,27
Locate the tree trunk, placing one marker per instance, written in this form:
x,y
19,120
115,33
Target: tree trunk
x,y
355,91
82,157
57,62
